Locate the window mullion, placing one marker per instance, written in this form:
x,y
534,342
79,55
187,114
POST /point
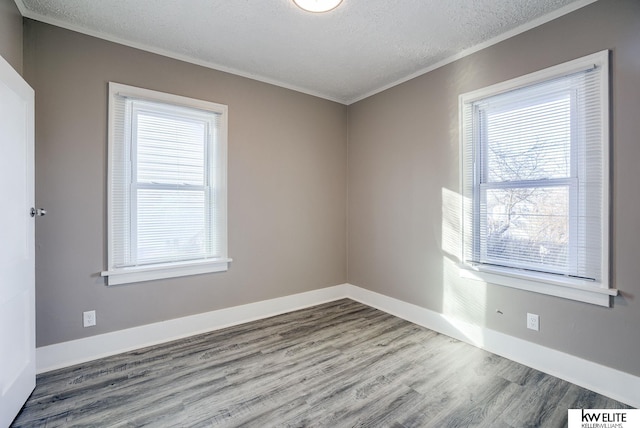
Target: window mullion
x,y
175,187
554,182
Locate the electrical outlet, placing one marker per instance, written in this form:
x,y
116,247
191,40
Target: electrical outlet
x,y
533,322
89,318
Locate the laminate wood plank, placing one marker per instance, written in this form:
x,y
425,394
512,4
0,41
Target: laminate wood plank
x,y
333,365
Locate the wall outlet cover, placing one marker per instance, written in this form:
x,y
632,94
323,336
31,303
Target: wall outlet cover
x,y
533,322
89,318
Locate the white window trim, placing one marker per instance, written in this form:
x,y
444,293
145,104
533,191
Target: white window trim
x,y
544,283
549,284
118,276
165,270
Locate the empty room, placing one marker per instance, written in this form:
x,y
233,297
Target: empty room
x,y
320,213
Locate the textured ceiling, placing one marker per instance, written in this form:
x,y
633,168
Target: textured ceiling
x,y
356,50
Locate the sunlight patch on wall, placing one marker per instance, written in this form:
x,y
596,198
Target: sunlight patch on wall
x,y
452,224
463,301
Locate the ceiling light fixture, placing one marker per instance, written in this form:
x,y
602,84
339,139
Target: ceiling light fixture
x,y
317,6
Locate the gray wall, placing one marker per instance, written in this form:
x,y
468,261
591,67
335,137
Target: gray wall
x,y
286,174
11,34
403,184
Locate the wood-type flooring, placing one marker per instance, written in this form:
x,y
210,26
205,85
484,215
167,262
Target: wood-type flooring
x,y
340,364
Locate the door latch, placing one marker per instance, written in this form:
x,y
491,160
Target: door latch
x,y
40,212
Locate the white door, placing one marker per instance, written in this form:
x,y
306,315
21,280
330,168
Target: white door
x,y
17,245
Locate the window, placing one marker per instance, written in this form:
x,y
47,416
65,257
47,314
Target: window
x,y
535,181
167,186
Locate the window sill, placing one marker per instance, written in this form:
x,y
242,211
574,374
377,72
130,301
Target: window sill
x,y
552,285
162,271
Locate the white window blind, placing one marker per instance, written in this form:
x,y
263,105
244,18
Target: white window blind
x,y
167,185
535,175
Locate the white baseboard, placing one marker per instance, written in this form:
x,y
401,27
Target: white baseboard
x,y
607,381
604,380
78,351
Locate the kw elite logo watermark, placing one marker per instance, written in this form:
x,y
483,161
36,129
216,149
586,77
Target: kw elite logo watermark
x,y
604,418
